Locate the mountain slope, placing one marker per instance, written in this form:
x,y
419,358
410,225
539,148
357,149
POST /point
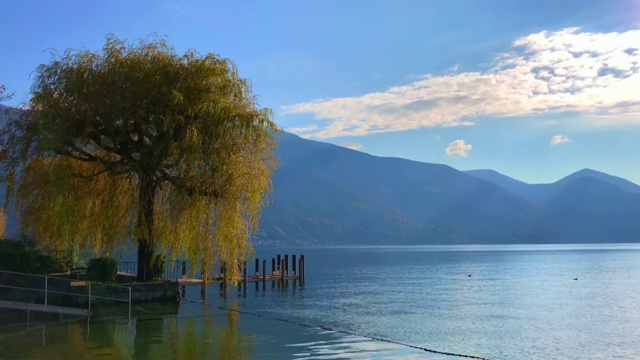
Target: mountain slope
x,y
587,209
540,193
412,202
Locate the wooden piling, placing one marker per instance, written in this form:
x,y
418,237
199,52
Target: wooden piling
x,y
302,268
258,266
245,277
279,262
282,271
184,268
203,288
264,272
273,266
224,276
293,264
286,264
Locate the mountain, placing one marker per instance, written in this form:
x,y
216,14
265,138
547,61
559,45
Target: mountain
x,y
540,193
589,209
326,194
512,185
619,182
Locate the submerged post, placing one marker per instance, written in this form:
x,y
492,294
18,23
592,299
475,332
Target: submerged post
x,y
264,272
203,288
286,265
282,271
293,264
244,277
224,277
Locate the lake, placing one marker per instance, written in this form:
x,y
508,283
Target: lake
x,y
499,302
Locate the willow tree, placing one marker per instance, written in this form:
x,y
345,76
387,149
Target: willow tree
x,y
138,142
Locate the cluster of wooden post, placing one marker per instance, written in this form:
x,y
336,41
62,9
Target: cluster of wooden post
x,y
279,269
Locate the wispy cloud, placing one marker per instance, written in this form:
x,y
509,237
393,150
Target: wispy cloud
x,y
458,148
351,145
546,72
559,139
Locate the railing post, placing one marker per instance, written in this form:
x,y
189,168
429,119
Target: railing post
x,y
46,289
129,304
89,297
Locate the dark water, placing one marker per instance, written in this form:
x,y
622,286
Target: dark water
x,y
520,302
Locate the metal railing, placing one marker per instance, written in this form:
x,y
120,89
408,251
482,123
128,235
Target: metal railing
x,y
52,285
173,269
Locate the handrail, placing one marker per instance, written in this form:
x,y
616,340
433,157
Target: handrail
x,y
47,291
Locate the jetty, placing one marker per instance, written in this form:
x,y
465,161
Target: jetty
x,y
283,269
70,295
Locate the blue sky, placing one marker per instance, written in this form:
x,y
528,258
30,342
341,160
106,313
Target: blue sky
x,y
534,90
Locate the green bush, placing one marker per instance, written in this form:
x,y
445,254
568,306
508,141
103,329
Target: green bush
x,y
22,256
103,269
157,266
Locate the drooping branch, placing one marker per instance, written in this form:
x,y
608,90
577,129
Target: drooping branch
x,y
105,128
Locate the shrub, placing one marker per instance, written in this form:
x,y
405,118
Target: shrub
x,y
21,256
157,266
103,269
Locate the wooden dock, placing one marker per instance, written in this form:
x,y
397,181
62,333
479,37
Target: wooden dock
x,y
282,270
254,278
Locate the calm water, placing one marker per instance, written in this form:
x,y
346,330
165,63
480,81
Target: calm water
x,y
520,302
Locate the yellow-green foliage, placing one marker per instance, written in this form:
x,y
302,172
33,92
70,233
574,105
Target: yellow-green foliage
x,y
3,223
136,141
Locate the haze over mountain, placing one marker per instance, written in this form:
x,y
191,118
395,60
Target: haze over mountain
x,y
326,194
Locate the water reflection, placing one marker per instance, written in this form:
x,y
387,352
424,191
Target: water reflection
x,y
154,333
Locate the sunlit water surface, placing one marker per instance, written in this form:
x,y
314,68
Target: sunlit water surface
x,y
500,302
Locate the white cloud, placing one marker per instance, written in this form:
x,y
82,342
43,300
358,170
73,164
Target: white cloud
x,y
351,145
559,139
458,148
547,72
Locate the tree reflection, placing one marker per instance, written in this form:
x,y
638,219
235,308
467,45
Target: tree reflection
x,y
202,338
211,334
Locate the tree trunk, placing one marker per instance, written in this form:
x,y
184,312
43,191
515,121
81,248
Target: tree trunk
x,y
146,243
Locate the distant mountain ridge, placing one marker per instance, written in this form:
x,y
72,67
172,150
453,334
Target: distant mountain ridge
x,y
326,194
538,193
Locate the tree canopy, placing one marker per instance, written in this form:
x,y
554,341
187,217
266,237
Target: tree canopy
x,y
136,141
